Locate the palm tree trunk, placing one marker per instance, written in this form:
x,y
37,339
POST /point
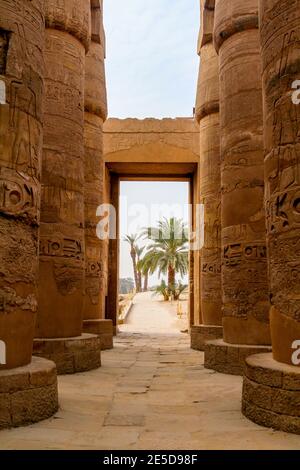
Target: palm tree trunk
x,y
139,275
171,277
171,280
146,282
135,273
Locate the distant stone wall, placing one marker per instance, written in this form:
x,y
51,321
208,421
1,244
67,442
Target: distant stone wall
x,y
123,134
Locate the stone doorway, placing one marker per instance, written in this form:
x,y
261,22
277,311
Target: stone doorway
x,y
149,150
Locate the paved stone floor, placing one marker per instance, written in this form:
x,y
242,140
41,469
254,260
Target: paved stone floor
x,y
152,392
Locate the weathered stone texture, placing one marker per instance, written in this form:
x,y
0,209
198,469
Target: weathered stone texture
x,y
71,355
21,83
28,394
62,209
93,197
207,101
271,393
202,333
124,134
229,358
244,254
103,328
207,114
207,23
71,16
280,38
95,105
210,196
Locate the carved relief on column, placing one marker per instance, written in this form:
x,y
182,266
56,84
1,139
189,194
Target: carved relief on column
x,y
62,208
280,38
207,114
244,254
95,115
21,84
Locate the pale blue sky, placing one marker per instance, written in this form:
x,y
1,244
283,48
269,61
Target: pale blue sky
x,y
143,204
151,70
151,60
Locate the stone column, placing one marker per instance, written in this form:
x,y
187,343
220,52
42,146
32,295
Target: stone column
x,y
95,114
207,115
62,208
245,303
21,121
271,393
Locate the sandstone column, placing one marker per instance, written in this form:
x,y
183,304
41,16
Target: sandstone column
x,y
244,256
278,383
21,89
62,208
95,115
207,115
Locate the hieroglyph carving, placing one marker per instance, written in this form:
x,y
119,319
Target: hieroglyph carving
x,y
18,195
61,247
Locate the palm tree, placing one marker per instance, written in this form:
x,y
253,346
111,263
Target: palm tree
x,y
144,266
163,290
179,288
139,251
132,239
168,253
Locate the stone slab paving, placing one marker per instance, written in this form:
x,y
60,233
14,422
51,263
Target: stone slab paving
x,y
152,392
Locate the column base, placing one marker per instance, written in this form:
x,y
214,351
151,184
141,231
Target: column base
x,y
71,355
202,333
102,328
28,394
271,393
229,358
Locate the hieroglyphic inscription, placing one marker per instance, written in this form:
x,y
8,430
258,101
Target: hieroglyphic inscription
x,y
21,90
18,195
61,247
280,36
211,268
93,268
235,253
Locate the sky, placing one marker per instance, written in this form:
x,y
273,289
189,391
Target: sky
x,y
155,200
151,57
151,71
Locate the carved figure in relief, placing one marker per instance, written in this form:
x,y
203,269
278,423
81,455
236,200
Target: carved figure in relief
x,y
290,51
286,125
23,106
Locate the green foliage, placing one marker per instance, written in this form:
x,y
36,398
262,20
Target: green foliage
x,y
168,252
163,290
177,290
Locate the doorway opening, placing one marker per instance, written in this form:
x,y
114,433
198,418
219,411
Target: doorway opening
x,y
151,154
153,256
